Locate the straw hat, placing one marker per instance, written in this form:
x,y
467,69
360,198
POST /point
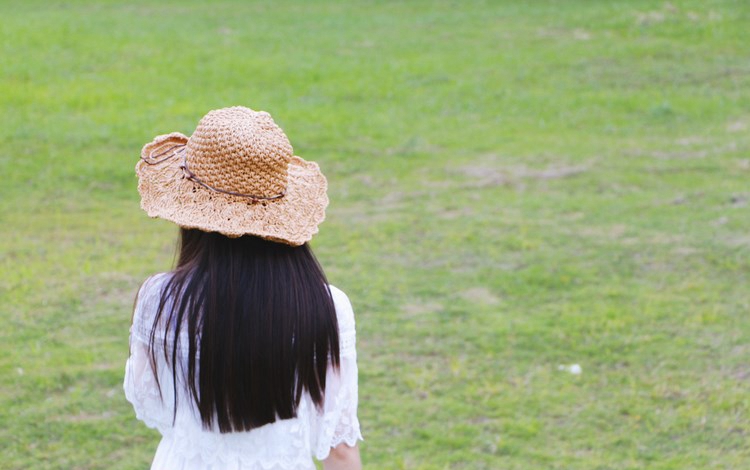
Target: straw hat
x,y
235,175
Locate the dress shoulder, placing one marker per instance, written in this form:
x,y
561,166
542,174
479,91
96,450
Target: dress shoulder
x,y
344,310
345,318
146,305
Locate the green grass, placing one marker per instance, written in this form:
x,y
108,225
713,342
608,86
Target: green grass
x,y
514,186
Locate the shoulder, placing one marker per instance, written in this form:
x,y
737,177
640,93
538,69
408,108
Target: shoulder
x,y
154,284
345,319
152,287
147,300
338,295
344,310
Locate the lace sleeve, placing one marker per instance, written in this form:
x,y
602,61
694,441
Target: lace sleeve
x,y
338,421
140,385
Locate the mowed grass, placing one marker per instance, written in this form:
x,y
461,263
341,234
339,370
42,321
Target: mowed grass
x,y
514,186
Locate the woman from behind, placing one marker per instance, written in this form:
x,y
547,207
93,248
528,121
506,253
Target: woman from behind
x,y
243,356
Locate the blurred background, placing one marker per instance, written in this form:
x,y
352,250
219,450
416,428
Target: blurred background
x,y
539,210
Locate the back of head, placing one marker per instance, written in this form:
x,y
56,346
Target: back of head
x,y
261,316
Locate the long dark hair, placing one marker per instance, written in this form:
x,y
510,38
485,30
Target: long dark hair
x,y
261,325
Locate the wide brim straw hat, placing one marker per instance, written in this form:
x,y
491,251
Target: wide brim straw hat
x,y
236,175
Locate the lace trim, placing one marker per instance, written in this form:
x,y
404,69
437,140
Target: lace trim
x,y
339,421
141,391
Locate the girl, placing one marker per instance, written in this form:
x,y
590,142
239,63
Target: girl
x,y
243,357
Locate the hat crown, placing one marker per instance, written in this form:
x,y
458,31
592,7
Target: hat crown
x,y
241,151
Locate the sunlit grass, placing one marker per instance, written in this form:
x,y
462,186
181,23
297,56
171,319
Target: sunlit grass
x,y
515,186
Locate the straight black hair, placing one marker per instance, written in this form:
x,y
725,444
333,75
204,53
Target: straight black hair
x,y
261,325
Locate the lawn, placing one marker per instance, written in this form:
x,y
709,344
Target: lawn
x,y
515,187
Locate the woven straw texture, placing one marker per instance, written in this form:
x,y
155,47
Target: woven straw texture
x,y
275,195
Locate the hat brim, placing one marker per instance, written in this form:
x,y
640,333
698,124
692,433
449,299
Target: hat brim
x,y
167,194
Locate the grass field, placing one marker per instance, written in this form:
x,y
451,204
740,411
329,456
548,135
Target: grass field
x,y
515,186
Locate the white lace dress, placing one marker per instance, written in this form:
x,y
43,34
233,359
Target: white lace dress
x,y
282,445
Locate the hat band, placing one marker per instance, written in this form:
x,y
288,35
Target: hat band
x,y
192,176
